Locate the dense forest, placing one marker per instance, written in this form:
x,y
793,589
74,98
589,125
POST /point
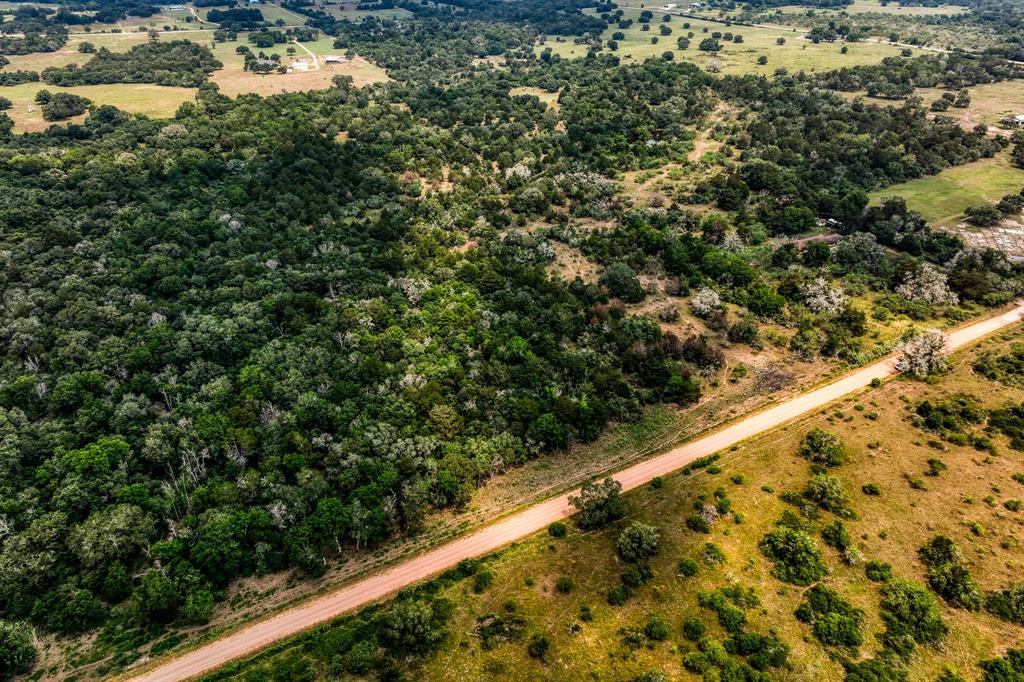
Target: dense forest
x,y
258,336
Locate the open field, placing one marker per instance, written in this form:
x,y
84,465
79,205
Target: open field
x,y
347,10
942,198
549,98
964,502
794,55
272,13
865,6
158,101
234,80
69,54
989,102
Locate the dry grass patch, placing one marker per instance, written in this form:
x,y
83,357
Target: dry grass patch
x,y
157,101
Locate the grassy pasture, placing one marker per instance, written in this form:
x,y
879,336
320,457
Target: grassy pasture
x,y
942,198
989,102
69,54
271,13
549,98
794,55
234,80
347,10
157,101
875,6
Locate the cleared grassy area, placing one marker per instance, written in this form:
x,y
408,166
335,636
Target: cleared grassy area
x,y
734,58
942,198
158,101
69,54
348,10
989,102
549,98
963,502
271,13
234,80
864,6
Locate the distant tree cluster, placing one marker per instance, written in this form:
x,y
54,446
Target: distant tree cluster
x,y
176,62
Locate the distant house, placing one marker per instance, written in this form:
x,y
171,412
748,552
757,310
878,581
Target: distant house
x,y
333,59
300,66
176,8
696,5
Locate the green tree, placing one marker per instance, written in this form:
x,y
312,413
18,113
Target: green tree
x,y
598,503
796,556
637,542
622,282
17,653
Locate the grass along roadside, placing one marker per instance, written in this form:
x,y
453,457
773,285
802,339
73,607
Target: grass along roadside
x,y
890,527
986,325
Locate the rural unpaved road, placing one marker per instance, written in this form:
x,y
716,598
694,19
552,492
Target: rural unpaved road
x,y
261,634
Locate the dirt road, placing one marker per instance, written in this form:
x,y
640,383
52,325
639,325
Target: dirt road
x,y
254,637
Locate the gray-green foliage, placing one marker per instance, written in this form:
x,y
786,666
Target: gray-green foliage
x,y
637,542
17,653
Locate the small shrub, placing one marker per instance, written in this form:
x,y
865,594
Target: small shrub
x,y
638,541
871,489
878,571
698,524
836,536
483,580
693,629
947,574
619,595
657,629
564,584
827,491
712,554
835,621
823,447
796,556
538,647
1007,604
908,610
636,575
557,530
688,568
